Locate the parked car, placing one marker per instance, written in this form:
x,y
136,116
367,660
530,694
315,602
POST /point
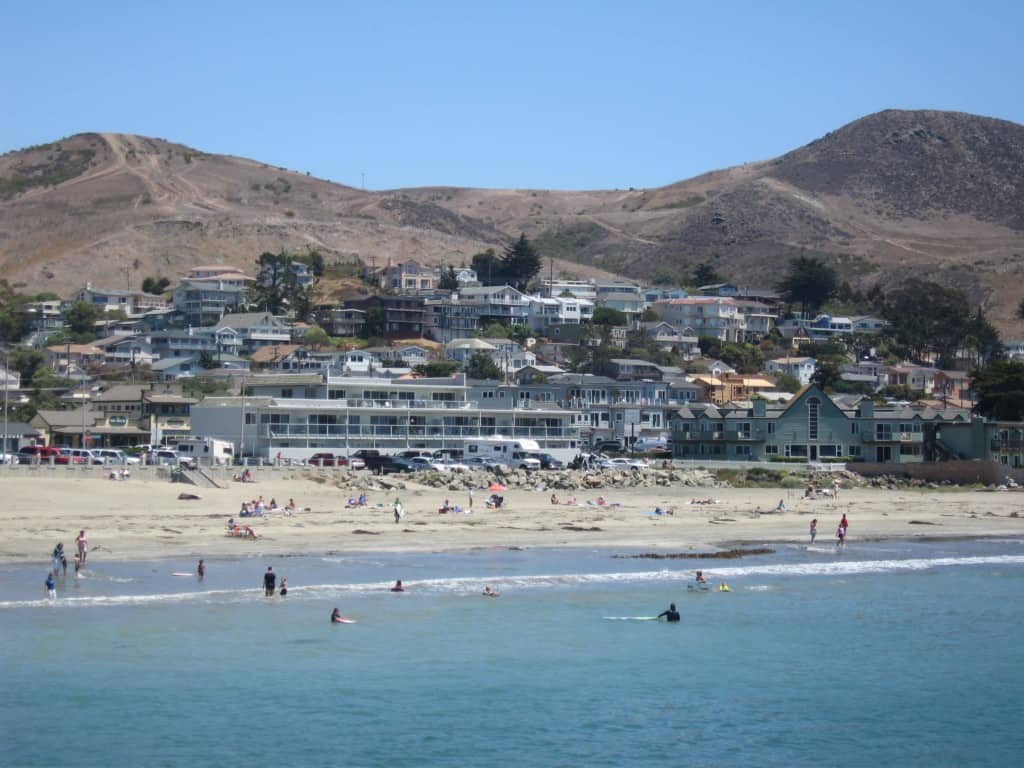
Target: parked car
x,y
524,461
87,456
621,463
644,444
115,456
324,459
428,462
547,461
453,465
479,462
165,457
387,465
356,463
9,458
44,453
601,446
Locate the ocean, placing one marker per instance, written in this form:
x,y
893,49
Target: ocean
x,y
888,653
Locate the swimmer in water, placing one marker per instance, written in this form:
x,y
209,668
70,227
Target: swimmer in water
x,y
336,617
488,592
398,587
671,614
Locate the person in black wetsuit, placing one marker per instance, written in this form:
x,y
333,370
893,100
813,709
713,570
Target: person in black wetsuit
x,y
269,582
671,614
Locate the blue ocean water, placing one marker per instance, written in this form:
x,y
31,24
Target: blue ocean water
x,y
890,653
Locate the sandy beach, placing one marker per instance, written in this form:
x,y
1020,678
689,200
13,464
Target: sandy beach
x,y
143,518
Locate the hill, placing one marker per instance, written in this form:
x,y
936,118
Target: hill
x,y
933,194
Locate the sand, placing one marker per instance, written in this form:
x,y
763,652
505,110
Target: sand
x,y
143,519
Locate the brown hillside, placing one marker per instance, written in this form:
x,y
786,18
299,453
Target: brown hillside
x,y
933,194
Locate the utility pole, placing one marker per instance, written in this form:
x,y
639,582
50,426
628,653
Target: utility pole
x,y
7,374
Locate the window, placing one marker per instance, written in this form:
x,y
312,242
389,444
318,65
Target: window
x,y
771,427
286,392
854,427
796,451
250,418
812,418
771,450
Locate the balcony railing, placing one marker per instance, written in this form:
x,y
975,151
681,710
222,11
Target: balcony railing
x,y
403,431
893,437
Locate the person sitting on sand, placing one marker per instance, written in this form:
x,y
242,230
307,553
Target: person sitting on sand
x,y
781,507
600,501
671,614
554,498
250,533
488,592
398,587
362,501
571,501
290,506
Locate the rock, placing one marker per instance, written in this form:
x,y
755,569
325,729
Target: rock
x,y
189,497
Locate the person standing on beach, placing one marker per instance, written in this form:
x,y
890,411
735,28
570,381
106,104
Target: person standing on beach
x,y
51,585
470,499
83,545
398,510
269,581
201,570
814,529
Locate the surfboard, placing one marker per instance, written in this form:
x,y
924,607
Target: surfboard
x,y
345,621
180,574
630,618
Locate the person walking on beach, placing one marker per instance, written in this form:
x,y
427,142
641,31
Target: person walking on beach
x,y
814,529
51,585
269,582
671,614
841,532
398,510
201,570
83,545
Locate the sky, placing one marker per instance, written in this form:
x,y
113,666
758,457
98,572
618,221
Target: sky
x,y
544,95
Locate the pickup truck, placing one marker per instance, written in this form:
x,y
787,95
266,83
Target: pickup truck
x,y
374,460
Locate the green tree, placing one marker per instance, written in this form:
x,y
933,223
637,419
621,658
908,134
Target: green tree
x,y
314,260
494,331
488,268
277,286
787,382
826,374
810,283
705,274
207,361
927,320
650,315
316,337
81,319
520,263
26,361
608,316
983,338
481,366
999,388
437,369
373,325
449,281
155,285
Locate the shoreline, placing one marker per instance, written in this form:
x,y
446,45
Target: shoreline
x,y
143,519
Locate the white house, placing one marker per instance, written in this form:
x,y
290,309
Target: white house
x,y
802,368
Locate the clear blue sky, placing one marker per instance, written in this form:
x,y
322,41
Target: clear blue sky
x,y
570,95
